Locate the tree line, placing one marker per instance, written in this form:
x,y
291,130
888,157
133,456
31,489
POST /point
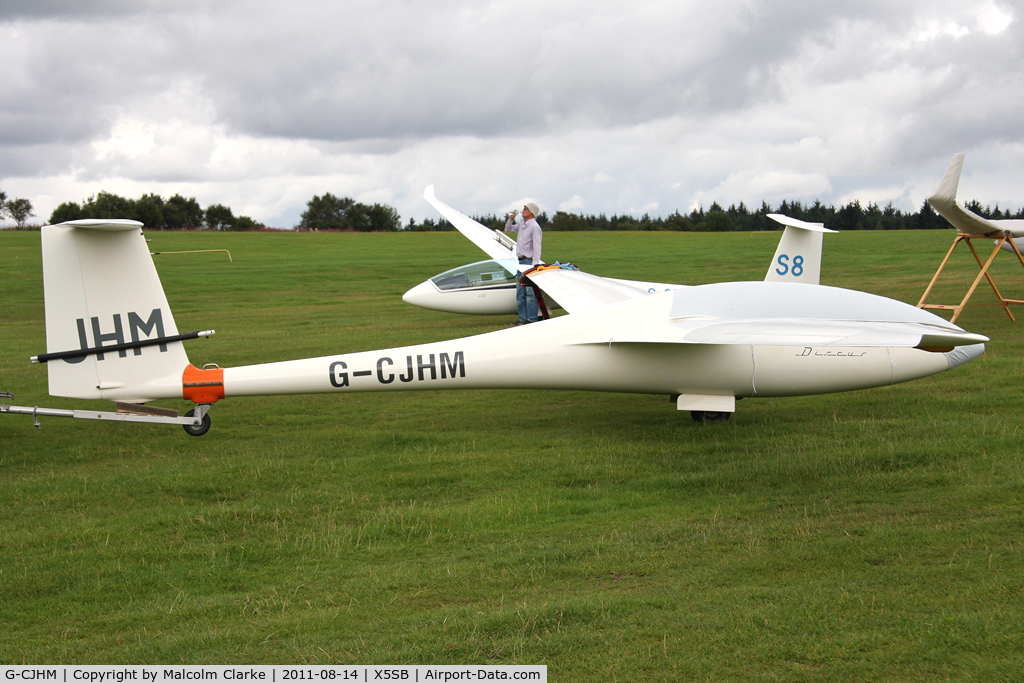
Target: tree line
x,y
155,212
326,212
851,216
329,212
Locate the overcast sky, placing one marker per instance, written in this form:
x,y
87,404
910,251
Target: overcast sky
x,y
588,107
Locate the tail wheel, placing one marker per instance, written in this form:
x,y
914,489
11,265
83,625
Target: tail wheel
x,y
709,416
201,429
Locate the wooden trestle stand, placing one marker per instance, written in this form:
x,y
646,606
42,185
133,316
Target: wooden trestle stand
x,y
1004,238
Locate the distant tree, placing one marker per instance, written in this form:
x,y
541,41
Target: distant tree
x,y
3,204
383,218
245,223
219,217
872,216
359,217
68,211
677,221
568,222
975,207
492,221
740,216
716,220
697,217
820,213
182,213
20,210
892,218
149,210
327,212
108,205
850,217
927,219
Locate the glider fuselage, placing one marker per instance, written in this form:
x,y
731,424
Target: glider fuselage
x,y
582,352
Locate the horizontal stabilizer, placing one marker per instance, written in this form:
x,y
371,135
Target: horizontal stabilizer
x,y
796,223
104,224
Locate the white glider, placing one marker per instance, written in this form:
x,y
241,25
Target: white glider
x,y
110,334
488,287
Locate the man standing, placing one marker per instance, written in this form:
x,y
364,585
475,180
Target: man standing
x,y
528,252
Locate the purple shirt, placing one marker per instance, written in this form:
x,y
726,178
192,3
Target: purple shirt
x,y
530,236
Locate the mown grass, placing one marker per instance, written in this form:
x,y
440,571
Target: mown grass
x,y
874,535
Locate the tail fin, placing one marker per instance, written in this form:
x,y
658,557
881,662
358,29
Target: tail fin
x,y
798,257
102,291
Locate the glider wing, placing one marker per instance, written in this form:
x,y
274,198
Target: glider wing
x,y
579,292
494,243
967,222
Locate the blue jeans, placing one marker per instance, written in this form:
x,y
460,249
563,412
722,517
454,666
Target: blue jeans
x,y
526,300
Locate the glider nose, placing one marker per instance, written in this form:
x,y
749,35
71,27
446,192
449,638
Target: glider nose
x,y
423,295
964,354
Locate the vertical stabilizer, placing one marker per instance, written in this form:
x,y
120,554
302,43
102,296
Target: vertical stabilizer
x,y
798,256
102,290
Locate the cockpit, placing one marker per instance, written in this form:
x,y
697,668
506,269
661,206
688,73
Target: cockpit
x,y
493,273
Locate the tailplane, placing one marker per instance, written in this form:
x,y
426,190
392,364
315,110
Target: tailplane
x,y
110,333
798,257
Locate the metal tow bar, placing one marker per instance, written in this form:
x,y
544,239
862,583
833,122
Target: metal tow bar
x,y
37,412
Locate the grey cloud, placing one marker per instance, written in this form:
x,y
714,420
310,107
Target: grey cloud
x,y
350,71
83,10
685,94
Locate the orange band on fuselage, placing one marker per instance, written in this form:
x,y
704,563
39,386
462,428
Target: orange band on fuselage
x,y
202,386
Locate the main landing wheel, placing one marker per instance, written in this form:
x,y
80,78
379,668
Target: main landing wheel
x,y
202,428
709,416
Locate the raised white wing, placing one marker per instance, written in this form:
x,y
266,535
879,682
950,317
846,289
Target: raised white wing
x,y
494,243
968,222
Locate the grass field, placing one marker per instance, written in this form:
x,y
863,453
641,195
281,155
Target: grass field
x,y
869,536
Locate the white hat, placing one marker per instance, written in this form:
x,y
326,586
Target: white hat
x,y
534,209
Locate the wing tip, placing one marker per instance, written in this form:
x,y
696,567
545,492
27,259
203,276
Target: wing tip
x,y
948,186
